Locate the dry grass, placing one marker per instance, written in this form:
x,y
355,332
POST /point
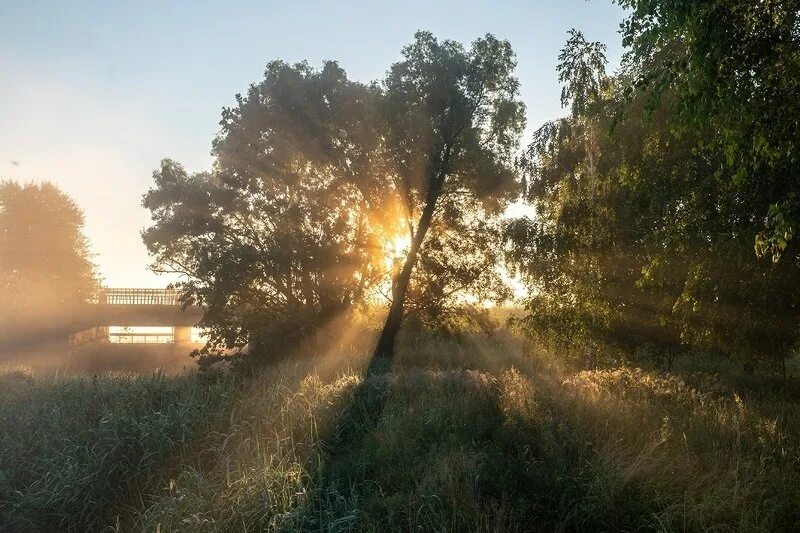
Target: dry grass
x,y
456,437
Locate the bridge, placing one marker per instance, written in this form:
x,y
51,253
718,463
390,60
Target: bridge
x,y
91,323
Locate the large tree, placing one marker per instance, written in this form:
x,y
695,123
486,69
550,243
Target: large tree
x,y
452,119
45,263
638,239
315,176
733,70
280,236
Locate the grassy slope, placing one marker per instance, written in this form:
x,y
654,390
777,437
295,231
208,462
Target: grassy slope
x,y
451,439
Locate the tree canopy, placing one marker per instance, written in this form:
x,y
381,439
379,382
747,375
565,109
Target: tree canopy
x,y
656,197
645,220
453,122
279,236
45,263
733,68
316,178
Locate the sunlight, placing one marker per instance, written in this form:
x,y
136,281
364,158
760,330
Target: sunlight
x,y
199,335
395,251
520,210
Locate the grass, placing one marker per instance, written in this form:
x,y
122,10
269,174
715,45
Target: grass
x,y
74,450
456,437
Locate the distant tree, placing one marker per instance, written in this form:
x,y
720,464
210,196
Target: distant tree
x,y
281,236
45,263
452,124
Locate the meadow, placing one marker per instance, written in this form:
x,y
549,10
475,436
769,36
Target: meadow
x,y
456,436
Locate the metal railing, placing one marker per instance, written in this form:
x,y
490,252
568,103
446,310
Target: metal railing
x,y
140,338
140,297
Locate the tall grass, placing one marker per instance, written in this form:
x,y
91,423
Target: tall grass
x,y
73,450
456,437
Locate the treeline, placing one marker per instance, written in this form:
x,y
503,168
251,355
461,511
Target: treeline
x,y
665,200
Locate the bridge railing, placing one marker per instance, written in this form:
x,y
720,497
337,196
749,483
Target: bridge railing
x,y
140,297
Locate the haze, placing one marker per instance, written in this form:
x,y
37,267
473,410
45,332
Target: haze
x,y
95,94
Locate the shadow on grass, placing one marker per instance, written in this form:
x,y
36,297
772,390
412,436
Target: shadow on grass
x,y
461,450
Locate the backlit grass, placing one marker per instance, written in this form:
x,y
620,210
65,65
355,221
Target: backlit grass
x,y
455,437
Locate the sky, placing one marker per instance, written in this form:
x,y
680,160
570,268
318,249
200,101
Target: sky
x,y
94,94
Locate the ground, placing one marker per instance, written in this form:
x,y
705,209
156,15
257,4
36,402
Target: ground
x,y
454,437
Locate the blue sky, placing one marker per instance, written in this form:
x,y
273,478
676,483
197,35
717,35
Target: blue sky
x,y
94,94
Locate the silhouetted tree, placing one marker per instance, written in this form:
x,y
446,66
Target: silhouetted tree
x,y
280,236
314,175
45,264
452,124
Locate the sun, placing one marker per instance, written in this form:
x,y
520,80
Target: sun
x,y
395,250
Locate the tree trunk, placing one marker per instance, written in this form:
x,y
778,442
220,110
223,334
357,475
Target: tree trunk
x,y
385,347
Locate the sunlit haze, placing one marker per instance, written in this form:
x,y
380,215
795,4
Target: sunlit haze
x,y
96,94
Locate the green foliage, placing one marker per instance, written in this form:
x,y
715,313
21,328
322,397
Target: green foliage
x,y
582,70
639,239
73,450
734,69
453,119
510,444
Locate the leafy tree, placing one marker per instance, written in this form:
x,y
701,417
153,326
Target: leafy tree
x,y
314,177
638,240
582,70
452,123
45,263
733,67
280,237
457,271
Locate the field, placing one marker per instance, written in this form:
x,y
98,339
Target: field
x,y
455,437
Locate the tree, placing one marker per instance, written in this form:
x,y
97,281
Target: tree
x,y
45,263
457,272
733,67
452,123
582,70
639,240
315,176
281,236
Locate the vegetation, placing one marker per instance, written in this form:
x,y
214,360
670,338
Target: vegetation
x,y
73,449
317,178
45,264
453,119
648,203
328,195
470,436
638,390
732,66
269,240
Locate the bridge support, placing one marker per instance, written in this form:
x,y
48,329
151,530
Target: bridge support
x,y
182,334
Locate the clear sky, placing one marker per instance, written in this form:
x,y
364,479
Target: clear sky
x,y
94,94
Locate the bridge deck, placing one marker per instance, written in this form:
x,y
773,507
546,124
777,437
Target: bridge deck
x,y
140,307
